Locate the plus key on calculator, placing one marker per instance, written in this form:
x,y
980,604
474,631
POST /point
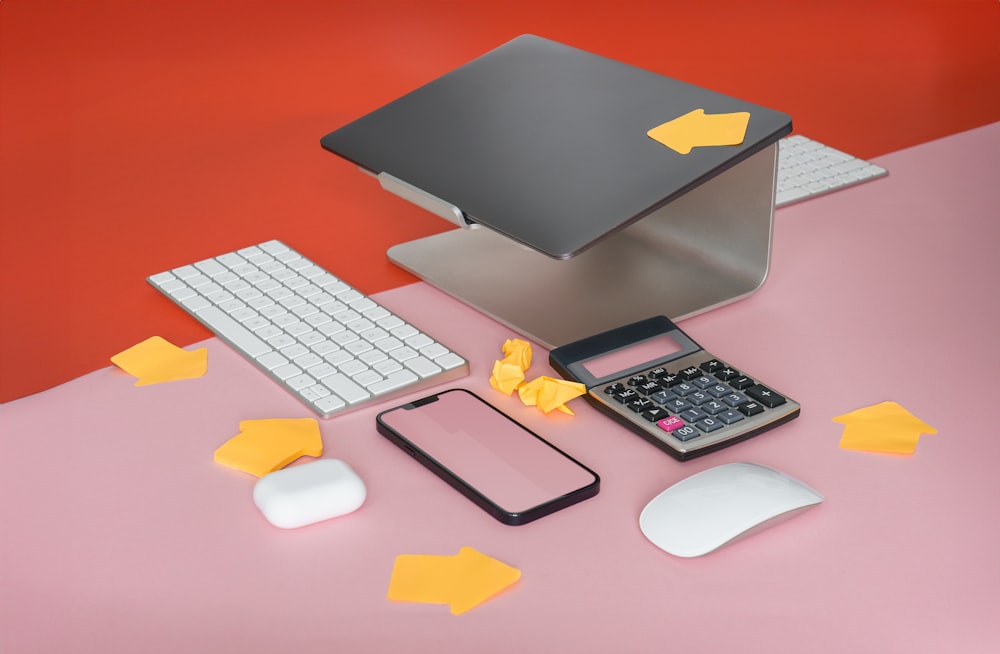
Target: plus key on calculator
x,y
653,378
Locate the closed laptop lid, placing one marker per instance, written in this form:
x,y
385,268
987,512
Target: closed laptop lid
x,y
547,144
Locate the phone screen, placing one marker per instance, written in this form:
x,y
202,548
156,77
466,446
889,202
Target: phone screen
x,y
488,456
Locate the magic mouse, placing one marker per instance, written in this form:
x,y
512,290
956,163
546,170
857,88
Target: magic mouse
x,y
705,511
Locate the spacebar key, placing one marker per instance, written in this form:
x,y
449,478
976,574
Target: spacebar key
x,y
230,330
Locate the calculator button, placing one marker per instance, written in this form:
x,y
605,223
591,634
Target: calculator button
x,y
671,423
669,379
640,405
611,389
649,387
685,433
655,414
714,407
698,397
710,424
765,396
693,415
729,416
741,383
735,399
677,405
626,396
719,390
683,388
751,408
690,373
712,366
637,380
727,373
658,373
703,382
662,397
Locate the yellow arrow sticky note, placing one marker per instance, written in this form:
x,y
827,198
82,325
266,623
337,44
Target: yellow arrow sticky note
x,y
463,581
885,427
263,446
548,393
698,129
156,360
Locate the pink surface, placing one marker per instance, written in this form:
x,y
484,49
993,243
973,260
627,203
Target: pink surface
x,y
118,533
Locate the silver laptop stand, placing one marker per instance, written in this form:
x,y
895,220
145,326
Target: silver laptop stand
x,y
705,249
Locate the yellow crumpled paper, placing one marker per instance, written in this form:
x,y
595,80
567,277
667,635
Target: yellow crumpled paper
x,y
518,352
508,373
506,377
547,393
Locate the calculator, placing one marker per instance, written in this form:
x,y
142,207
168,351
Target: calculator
x,y
653,378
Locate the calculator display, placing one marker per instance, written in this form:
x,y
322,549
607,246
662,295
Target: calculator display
x,y
654,379
652,349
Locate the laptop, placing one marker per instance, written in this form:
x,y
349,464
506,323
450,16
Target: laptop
x,y
546,144
580,221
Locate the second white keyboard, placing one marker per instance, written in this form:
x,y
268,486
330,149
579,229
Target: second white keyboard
x,y
807,168
327,343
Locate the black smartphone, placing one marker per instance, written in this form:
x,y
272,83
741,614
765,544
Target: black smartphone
x,y
503,467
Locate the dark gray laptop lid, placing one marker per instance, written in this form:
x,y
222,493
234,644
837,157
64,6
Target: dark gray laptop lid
x,y
547,144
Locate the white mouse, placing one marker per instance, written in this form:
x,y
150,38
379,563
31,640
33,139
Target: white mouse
x,y
707,510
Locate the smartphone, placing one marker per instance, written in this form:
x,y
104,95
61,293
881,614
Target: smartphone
x,y
504,468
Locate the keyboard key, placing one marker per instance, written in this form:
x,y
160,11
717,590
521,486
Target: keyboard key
x,y
422,366
345,387
397,380
233,332
449,361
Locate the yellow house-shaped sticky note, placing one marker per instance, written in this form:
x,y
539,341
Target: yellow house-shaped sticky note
x,y
886,427
156,360
463,581
263,446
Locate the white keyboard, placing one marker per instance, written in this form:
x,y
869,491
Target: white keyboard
x,y
807,168
327,343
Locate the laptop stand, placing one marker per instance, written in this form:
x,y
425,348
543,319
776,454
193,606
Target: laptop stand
x,y
709,247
